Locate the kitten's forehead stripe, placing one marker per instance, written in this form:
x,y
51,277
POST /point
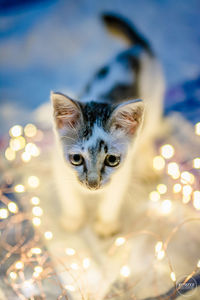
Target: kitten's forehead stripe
x,y
94,113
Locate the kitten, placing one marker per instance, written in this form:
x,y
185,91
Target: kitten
x,y
100,141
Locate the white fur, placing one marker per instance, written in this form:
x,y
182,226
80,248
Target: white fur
x,y
111,197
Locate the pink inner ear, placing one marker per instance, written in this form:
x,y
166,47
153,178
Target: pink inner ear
x,y
67,117
127,122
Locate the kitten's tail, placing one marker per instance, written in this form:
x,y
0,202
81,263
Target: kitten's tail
x,y
122,27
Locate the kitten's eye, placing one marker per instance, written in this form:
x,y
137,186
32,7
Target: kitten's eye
x,y
112,160
76,159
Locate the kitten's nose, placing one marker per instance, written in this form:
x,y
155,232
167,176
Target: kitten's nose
x,y
93,181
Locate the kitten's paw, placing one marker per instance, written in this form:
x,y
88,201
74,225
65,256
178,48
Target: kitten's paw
x,y
72,223
106,229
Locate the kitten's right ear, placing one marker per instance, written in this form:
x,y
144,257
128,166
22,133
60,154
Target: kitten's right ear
x,y
67,112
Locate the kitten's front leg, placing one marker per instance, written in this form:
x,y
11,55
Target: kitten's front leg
x,y
108,214
73,213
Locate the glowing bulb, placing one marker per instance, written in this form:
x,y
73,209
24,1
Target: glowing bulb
x,y
160,254
36,251
186,198
19,265
187,177
36,221
10,154
177,188
158,246
19,188
13,208
15,144
120,241
36,274
196,199
86,263
70,251
198,264
187,190
35,200
70,288
125,271
38,269
167,151
18,143
196,163
30,130
16,131
154,196
162,188
197,128
173,170
158,163
173,276
166,207
3,213
13,275
32,149
37,211
48,235
33,181
74,266
25,157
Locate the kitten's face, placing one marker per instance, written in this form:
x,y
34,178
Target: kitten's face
x,y
95,137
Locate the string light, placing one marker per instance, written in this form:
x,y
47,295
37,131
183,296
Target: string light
x,y
158,246
187,190
13,208
154,196
35,200
32,149
86,263
37,211
26,157
19,188
70,288
125,271
187,177
158,163
186,199
70,251
173,276
167,151
3,213
74,266
162,188
18,143
197,128
48,235
33,181
13,275
177,187
19,265
196,199
196,163
36,221
10,154
30,130
38,269
120,241
16,131
166,207
36,251
160,254
173,170
198,264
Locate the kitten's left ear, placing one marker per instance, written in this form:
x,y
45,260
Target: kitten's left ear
x,y
128,117
67,112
